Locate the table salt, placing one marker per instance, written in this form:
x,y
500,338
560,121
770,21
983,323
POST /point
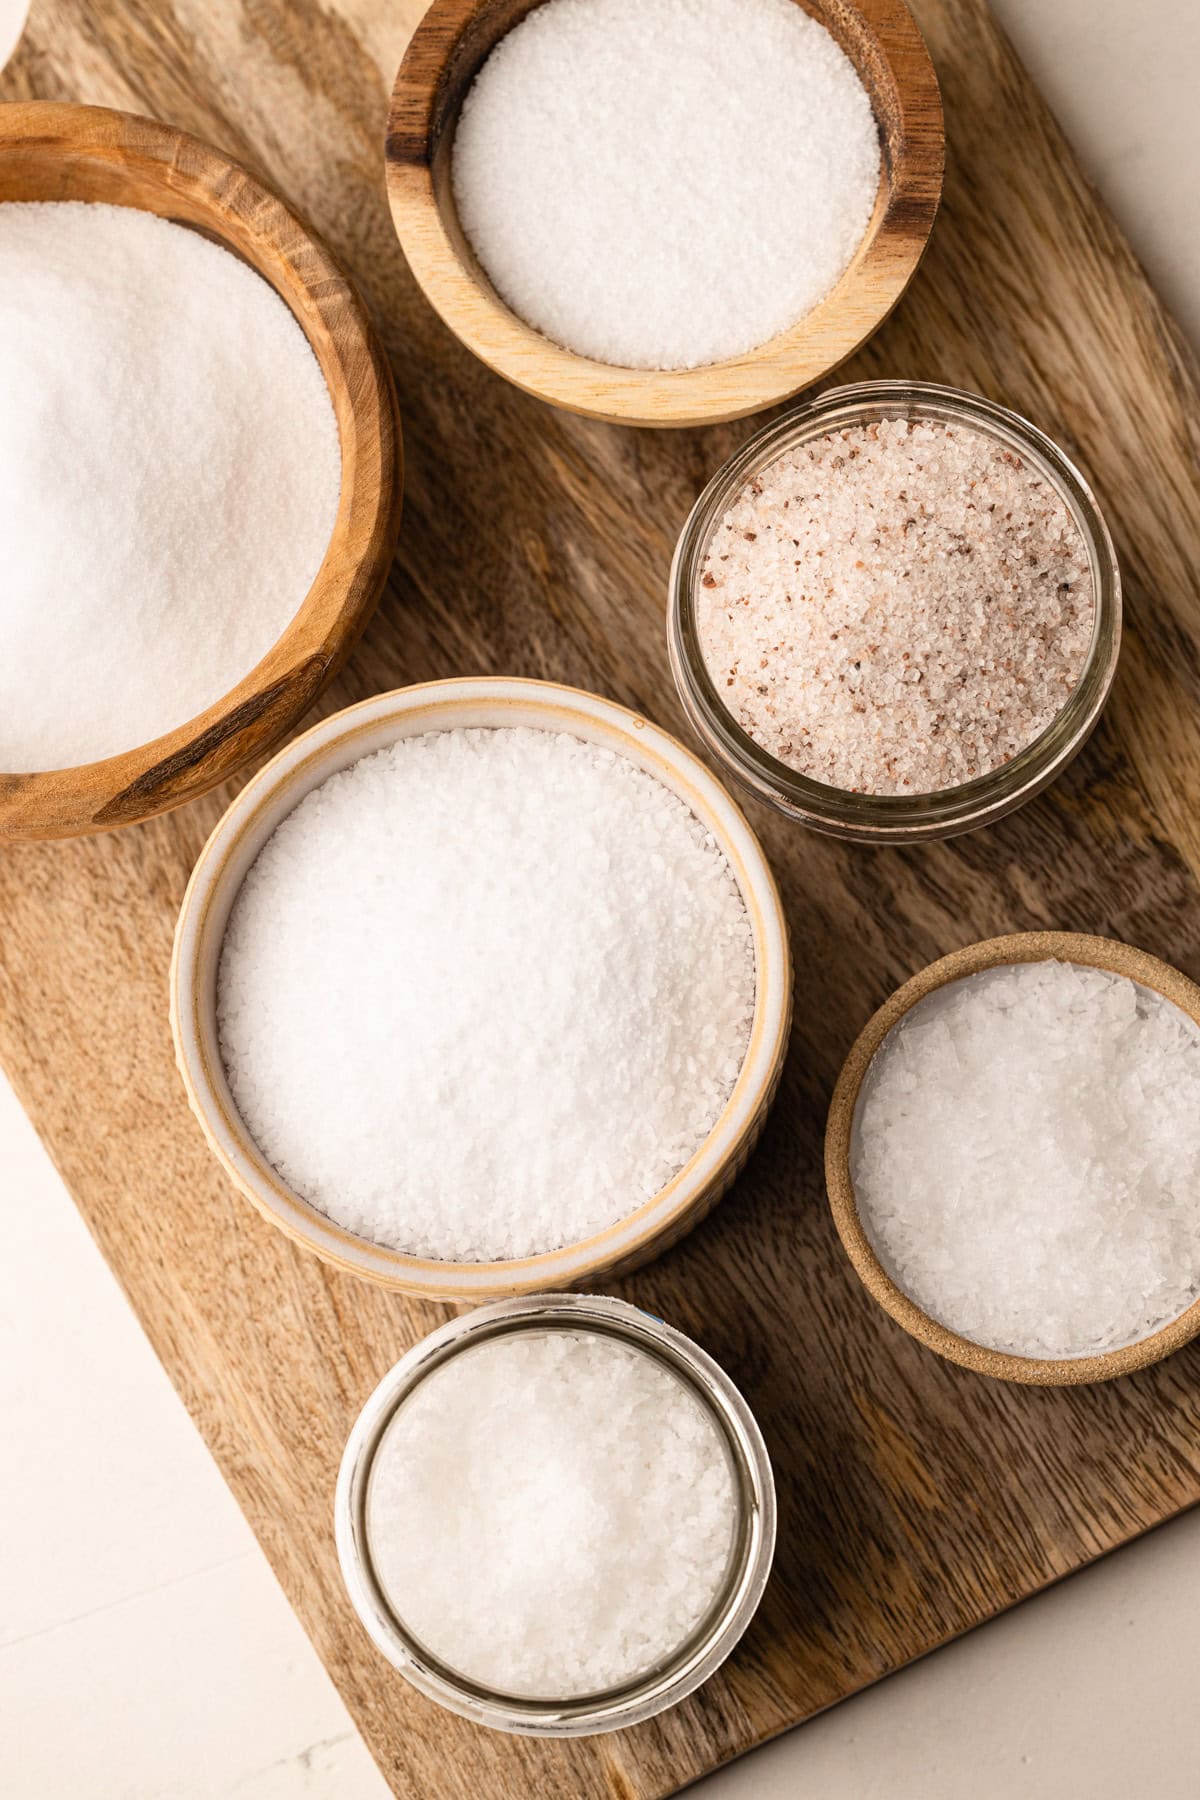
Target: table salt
x,y
896,607
485,992
552,1513
1026,1158
665,183
171,472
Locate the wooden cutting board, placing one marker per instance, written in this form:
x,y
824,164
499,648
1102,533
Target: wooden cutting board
x,y
916,1499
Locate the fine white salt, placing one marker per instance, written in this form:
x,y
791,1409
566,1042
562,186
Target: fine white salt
x,y
485,992
1026,1158
169,477
665,183
552,1513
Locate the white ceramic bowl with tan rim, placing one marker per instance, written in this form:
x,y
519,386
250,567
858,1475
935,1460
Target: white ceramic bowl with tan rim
x,y
333,745
1022,947
446,52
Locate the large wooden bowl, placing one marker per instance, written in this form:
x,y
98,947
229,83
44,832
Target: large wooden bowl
x,y
1022,947
335,743
449,45
50,152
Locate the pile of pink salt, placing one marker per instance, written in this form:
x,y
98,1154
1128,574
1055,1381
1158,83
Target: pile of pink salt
x,y
896,607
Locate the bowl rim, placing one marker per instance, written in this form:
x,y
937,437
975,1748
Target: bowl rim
x,y
803,353
1109,954
198,180
300,766
732,1612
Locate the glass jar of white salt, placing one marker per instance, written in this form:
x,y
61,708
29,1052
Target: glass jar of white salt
x,y
896,612
556,1515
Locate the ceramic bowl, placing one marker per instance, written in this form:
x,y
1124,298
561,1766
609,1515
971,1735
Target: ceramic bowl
x,y
343,739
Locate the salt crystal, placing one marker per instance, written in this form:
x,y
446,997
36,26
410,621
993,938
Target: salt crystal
x,y
485,992
552,1513
169,477
896,608
1026,1158
665,183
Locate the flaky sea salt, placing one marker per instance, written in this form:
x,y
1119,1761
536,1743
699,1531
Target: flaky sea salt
x,y
485,992
1026,1158
896,608
169,477
552,1513
665,183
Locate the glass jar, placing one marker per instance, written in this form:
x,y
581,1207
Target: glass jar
x,y
753,1537
894,818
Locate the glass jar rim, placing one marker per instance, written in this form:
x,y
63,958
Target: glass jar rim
x,y
708,1646
895,817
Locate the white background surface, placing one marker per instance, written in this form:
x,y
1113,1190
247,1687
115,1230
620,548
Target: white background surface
x,y
146,1652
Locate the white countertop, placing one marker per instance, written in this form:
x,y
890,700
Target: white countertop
x,y
146,1652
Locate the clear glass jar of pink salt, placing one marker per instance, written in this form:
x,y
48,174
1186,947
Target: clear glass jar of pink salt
x,y
891,817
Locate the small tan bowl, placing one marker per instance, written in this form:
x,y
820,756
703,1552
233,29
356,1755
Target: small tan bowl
x,y
1023,947
445,54
336,743
52,152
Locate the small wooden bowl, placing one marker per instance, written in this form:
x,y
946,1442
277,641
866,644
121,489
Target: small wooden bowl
x,y
1023,947
446,51
51,152
334,744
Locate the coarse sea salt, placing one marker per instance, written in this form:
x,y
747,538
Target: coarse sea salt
x,y
665,183
1026,1158
552,1513
896,607
170,477
485,992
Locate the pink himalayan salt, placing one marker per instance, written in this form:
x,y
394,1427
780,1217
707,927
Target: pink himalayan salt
x,y
896,608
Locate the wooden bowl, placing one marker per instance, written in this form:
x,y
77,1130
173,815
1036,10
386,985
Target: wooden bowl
x,y
1023,947
334,744
50,152
444,56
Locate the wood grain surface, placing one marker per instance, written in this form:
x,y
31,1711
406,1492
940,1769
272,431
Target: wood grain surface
x,y
916,1498
451,43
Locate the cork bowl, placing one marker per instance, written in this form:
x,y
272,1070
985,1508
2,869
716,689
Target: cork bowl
x,y
1023,947
58,152
334,744
446,51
